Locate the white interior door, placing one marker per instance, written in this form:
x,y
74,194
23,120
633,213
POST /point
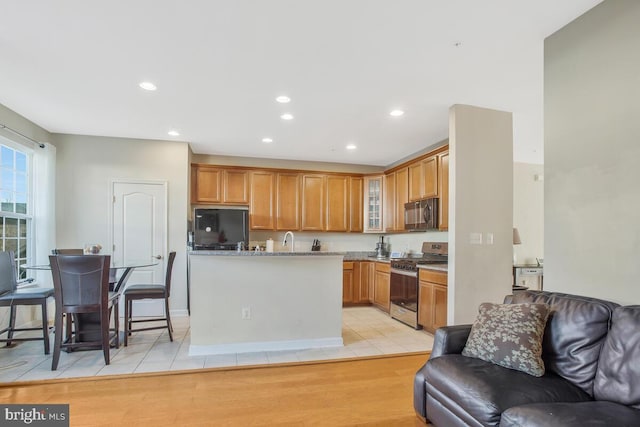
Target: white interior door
x,y
139,233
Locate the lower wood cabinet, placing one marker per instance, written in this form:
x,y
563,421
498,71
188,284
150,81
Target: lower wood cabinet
x,y
432,299
363,292
347,282
357,282
381,289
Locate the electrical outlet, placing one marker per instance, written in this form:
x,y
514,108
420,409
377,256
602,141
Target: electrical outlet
x,y
246,313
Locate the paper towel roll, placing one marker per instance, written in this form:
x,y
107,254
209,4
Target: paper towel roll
x,y
269,245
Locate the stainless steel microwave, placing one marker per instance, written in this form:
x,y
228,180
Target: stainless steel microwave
x,y
421,215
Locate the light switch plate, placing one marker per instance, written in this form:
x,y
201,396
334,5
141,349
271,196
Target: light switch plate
x,y
475,238
489,238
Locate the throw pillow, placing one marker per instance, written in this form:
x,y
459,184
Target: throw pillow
x,y
509,335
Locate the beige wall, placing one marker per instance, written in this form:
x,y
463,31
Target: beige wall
x,y
481,201
528,211
592,147
86,166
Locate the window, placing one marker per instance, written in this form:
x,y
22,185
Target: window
x,y
15,209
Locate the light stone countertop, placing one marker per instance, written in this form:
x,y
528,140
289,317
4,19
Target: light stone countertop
x,y
263,253
436,267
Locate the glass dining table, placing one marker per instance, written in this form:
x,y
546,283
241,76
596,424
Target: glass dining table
x,y
116,284
89,324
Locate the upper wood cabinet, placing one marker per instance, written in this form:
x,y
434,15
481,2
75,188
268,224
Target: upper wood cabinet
x,y
402,196
205,185
288,201
338,201
390,201
313,202
235,186
443,190
356,217
262,205
423,179
373,202
219,185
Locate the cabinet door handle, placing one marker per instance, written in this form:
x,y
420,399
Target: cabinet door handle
x,y
158,256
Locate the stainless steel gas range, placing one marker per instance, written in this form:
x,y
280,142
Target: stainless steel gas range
x,y
404,281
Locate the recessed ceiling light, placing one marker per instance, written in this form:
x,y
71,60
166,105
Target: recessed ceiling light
x,y
148,86
287,116
267,140
174,133
351,147
283,99
396,113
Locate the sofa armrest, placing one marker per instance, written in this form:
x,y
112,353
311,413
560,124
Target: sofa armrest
x,y
450,340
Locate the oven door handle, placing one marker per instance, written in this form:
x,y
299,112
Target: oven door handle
x,y
405,273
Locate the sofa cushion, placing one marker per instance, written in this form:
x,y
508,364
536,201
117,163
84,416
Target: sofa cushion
x,y
575,331
483,390
618,376
509,335
606,414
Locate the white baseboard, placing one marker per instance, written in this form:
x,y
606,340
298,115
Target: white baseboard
x,y
250,347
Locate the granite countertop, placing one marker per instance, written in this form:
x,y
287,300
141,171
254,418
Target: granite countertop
x,y
363,256
438,267
263,253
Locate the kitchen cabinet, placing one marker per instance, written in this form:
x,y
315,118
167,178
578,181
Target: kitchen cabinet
x,y
390,201
347,282
219,185
373,204
262,207
381,287
423,178
356,185
364,291
443,191
396,194
235,186
288,201
313,202
402,197
338,201
432,299
205,185
357,282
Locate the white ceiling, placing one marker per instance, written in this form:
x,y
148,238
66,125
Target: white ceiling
x,y
73,66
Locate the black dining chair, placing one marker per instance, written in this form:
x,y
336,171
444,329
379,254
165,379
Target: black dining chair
x,y
140,292
81,288
11,296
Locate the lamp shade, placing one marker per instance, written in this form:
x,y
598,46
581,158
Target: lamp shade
x,y
516,237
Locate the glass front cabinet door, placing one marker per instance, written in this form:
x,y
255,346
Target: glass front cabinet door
x,y
373,204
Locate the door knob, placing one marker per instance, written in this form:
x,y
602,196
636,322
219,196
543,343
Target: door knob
x,y
158,257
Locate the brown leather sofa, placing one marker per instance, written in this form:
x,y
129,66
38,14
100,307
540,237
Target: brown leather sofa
x,y
591,352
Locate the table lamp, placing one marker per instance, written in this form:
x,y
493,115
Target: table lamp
x,y
516,241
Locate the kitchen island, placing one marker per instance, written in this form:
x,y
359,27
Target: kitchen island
x,y
264,301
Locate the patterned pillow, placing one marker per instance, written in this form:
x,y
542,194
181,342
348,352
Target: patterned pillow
x,y
509,335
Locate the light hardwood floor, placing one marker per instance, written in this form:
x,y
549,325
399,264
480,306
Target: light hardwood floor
x,y
377,391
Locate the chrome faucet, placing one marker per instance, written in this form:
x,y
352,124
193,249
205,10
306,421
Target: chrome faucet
x,y
284,241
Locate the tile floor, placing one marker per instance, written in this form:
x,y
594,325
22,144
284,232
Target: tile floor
x,y
366,331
